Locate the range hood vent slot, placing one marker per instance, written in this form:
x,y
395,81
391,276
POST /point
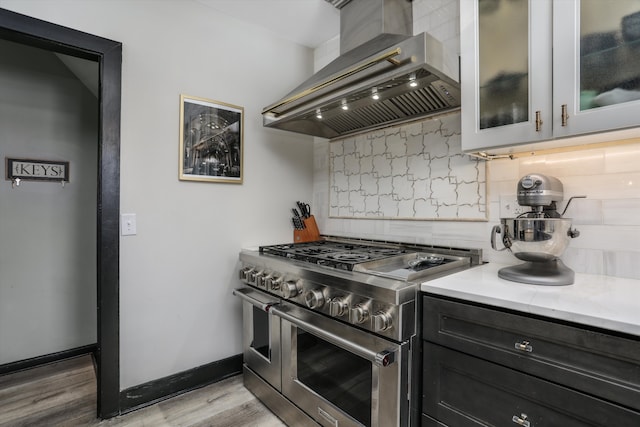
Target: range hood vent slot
x,y
384,63
395,110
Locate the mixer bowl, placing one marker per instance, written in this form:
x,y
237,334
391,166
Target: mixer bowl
x,y
535,239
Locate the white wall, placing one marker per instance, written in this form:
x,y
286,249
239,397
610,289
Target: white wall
x,y
609,219
177,273
47,232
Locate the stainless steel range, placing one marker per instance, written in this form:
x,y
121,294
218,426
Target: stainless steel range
x,y
329,327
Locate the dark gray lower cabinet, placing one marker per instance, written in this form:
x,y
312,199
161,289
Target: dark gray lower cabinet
x,y
486,367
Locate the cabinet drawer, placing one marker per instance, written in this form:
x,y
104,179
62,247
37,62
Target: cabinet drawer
x,y
461,390
604,365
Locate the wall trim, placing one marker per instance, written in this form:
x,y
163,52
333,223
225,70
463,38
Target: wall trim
x,y
151,392
21,365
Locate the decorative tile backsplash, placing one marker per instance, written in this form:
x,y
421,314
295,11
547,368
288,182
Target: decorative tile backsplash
x,y
608,219
413,171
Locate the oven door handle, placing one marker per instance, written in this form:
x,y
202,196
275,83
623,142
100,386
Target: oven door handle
x,y
381,358
245,295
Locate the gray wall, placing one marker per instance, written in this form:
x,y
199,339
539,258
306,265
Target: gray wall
x,y
47,232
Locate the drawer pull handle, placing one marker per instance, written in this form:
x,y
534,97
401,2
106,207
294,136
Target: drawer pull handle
x,y
524,346
521,420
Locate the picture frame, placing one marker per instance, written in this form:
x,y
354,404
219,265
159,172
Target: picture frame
x,y
211,140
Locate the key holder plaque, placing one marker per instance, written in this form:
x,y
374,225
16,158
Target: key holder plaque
x,y
18,170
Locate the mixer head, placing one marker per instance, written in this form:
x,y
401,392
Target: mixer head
x,y
541,192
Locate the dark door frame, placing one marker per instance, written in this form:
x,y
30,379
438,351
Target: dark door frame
x,y
108,53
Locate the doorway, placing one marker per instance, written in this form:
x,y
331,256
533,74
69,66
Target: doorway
x,y
108,54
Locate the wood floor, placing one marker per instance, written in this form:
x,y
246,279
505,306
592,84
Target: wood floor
x,y
64,394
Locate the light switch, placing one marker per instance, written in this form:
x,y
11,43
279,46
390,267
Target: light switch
x,y
128,224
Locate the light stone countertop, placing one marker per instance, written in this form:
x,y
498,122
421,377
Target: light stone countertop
x,y
606,302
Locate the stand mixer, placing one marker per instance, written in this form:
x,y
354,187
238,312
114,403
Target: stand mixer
x,y
539,236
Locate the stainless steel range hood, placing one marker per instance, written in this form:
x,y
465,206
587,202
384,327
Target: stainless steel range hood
x,y
378,56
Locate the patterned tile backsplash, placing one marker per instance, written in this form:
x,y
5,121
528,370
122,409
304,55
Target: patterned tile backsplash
x,y
608,219
416,171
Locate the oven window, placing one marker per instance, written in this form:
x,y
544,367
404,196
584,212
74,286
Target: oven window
x,y
340,377
261,336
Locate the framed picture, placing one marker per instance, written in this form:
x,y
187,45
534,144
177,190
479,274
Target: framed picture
x,y
211,140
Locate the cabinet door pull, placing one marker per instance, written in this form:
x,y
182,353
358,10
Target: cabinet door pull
x,y
521,420
565,115
524,346
538,121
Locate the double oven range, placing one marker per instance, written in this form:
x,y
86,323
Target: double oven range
x,y
329,327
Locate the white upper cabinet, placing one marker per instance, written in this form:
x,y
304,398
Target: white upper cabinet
x,y
543,70
596,57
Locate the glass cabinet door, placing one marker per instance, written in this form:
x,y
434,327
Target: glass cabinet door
x,y
503,62
597,78
506,72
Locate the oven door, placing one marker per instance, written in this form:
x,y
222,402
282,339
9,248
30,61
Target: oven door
x,y
341,375
260,335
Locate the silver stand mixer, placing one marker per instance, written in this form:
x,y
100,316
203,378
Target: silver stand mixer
x,y
539,236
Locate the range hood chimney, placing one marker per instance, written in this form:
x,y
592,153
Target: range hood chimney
x,y
383,76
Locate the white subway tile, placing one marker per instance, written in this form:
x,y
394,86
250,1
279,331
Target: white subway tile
x,y
590,261
472,211
588,162
533,164
606,186
624,158
621,212
624,238
583,211
500,257
503,169
501,188
622,263
420,24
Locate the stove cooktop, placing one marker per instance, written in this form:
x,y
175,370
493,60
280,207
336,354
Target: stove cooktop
x,y
340,255
397,262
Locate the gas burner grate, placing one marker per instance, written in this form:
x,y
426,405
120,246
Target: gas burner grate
x,y
350,256
385,252
340,255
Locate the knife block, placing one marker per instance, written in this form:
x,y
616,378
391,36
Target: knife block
x,y
309,233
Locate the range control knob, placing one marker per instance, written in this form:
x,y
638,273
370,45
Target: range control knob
x,y
358,314
273,283
314,298
261,280
337,307
290,289
381,321
253,277
244,273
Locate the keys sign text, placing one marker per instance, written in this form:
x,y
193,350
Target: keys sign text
x,y
37,170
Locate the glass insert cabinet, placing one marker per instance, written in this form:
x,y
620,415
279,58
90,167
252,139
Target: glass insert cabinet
x,y
537,70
